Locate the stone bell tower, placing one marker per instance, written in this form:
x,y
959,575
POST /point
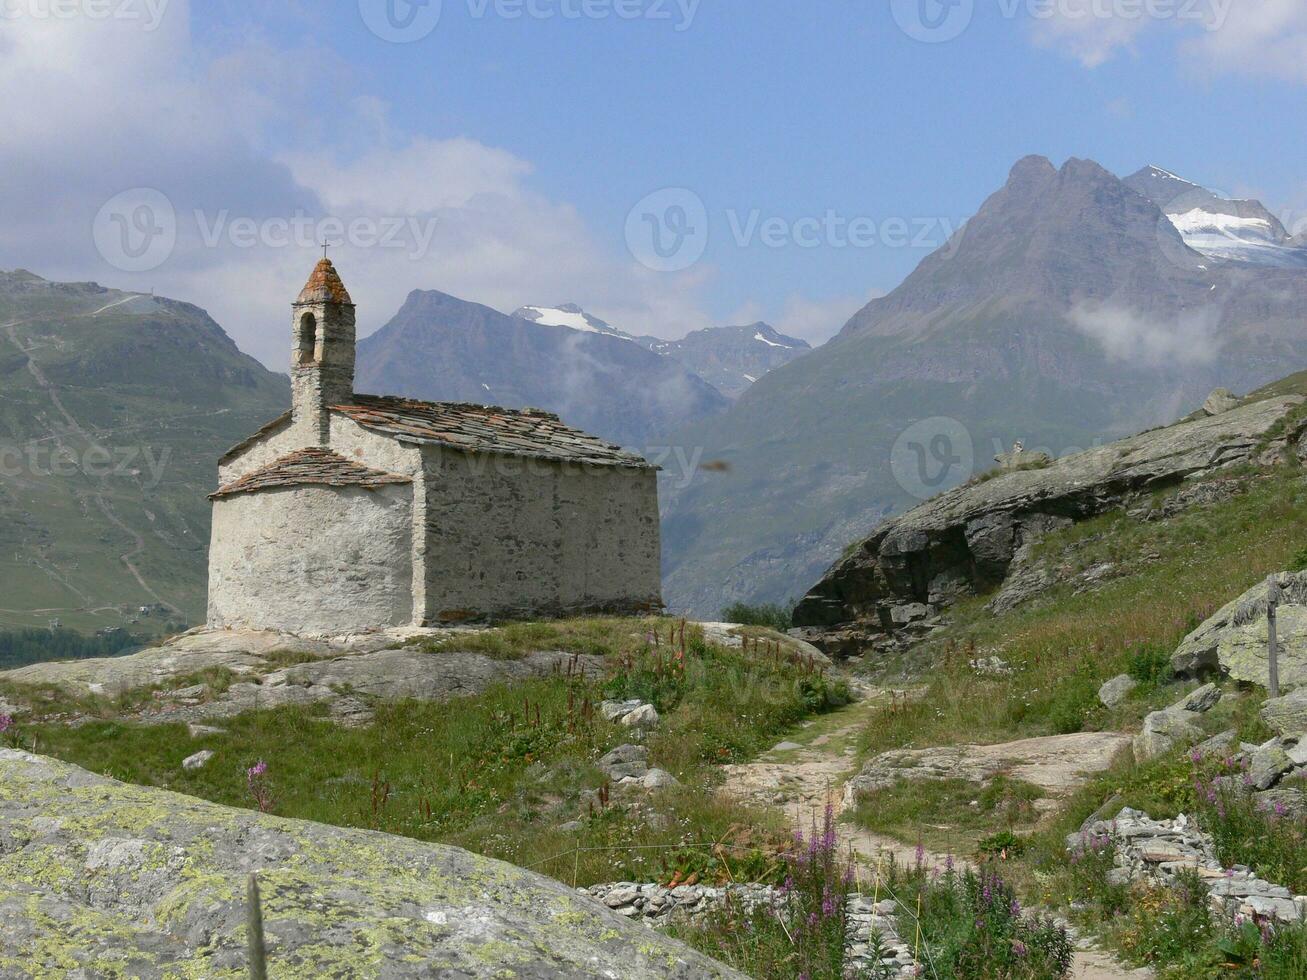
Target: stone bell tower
x,y
322,362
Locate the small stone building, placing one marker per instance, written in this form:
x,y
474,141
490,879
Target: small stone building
x,y
354,512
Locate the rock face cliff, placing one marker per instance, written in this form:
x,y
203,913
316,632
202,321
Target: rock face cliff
x,y
105,879
892,587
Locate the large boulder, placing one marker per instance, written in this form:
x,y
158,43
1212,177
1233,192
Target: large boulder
x,y
1235,640
99,878
1220,401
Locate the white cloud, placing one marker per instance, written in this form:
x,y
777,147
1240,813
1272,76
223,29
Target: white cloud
x,y
234,134
1250,37
1088,30
1259,37
1137,338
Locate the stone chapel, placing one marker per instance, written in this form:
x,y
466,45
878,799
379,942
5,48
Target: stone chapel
x,y
360,512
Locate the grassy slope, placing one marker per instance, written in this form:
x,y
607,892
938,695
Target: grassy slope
x,y
1167,577
505,773
1172,575
150,381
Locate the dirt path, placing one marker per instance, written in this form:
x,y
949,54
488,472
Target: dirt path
x,y
815,769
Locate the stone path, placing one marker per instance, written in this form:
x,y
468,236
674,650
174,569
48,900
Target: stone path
x,y
819,768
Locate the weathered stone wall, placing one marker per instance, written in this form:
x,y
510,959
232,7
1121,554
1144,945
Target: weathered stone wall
x,y
512,537
348,438
312,559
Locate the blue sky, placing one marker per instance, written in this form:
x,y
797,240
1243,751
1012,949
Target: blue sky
x,y
528,140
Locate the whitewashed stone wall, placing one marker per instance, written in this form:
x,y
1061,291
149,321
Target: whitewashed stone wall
x,y
510,537
312,559
348,438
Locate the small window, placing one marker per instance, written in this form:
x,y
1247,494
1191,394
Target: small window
x,y
308,339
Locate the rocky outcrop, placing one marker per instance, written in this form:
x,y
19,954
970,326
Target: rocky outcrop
x,y
349,675
1235,640
892,586
105,879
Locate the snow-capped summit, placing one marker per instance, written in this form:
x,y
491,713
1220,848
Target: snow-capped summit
x,y
729,358
1226,229
571,316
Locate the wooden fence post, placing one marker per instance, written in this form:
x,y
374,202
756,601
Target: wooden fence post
x,y
1273,645
254,931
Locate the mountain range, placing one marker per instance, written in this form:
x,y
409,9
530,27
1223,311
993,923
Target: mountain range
x,y
442,348
1071,310
728,358
1074,308
114,408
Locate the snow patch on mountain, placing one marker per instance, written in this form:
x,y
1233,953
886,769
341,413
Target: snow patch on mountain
x,y
1217,226
771,343
572,317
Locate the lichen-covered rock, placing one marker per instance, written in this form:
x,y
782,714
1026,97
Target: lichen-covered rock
x,y
1167,730
1235,639
1203,699
1268,764
1287,715
100,879
1115,691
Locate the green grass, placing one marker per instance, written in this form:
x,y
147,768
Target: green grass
x,y
1062,647
771,614
511,772
593,636
949,815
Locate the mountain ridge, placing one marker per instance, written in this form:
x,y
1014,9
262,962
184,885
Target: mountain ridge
x,y
1068,312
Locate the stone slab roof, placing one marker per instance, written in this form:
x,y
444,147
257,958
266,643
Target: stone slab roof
x,y
308,467
485,428
325,286
265,430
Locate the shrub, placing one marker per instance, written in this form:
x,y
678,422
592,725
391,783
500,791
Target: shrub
x,y
1150,665
770,614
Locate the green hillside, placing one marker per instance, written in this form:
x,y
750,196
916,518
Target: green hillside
x,y
114,408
